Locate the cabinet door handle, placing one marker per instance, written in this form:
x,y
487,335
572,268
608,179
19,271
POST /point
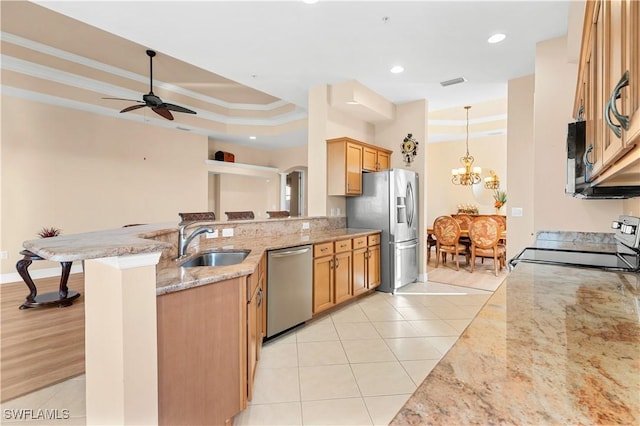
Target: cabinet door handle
x,y
337,263
587,164
331,264
260,297
622,119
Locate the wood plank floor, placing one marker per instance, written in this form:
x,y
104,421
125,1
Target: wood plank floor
x,y
39,346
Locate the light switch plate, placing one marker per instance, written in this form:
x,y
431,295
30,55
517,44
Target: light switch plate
x,y
213,234
227,232
516,211
3,255
305,225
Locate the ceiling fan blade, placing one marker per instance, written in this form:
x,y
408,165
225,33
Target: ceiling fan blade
x,y
132,107
177,108
163,112
122,99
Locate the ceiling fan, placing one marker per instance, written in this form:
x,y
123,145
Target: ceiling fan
x,y
152,101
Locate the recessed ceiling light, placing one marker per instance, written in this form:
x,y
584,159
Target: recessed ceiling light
x,y
397,69
310,1
352,103
496,38
252,137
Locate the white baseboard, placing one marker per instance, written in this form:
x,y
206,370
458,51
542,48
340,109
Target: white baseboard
x,y
38,273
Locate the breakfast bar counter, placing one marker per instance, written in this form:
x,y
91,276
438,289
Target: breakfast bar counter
x,y
553,345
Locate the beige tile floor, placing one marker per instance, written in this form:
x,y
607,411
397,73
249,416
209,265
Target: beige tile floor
x,y
355,366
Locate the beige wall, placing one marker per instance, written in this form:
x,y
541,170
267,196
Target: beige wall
x,y
241,193
521,171
555,82
82,172
232,192
444,197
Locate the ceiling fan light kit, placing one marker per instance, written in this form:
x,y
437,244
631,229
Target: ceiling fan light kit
x,y
151,100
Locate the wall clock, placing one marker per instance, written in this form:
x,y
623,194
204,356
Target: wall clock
x,y
409,149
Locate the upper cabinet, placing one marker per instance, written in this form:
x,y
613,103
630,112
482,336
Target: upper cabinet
x,y
375,159
608,90
346,160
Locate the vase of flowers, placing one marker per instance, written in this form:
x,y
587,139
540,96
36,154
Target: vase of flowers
x,y
500,198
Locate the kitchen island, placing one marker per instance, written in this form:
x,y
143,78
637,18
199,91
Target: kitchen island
x,y
131,278
553,345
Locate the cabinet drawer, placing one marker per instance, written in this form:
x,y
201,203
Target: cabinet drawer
x,y
343,245
322,249
374,239
359,242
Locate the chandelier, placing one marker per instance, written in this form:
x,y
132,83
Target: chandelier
x,y
493,181
466,175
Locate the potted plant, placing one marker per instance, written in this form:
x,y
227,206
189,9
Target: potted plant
x,y
49,232
500,198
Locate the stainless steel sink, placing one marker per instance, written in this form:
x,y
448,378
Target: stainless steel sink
x,y
217,258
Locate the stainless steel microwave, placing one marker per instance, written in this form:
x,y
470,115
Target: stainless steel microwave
x,y
579,169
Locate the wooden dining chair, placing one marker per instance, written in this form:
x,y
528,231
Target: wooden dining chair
x,y
278,214
431,242
196,217
244,215
464,220
447,231
484,233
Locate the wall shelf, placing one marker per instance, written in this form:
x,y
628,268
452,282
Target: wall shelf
x,y
223,167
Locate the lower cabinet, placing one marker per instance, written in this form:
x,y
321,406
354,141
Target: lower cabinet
x,y
373,261
366,264
202,360
344,269
331,274
255,322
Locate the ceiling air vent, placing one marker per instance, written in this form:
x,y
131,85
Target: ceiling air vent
x,y
453,81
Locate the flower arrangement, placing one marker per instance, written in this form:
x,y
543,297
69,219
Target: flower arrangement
x,y
467,208
500,198
49,232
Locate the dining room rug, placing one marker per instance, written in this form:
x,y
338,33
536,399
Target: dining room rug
x,y
482,278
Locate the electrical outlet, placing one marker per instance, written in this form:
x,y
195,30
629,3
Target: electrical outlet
x,y
4,255
227,232
213,234
305,225
516,211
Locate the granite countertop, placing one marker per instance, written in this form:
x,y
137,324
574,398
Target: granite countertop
x,y
553,345
174,278
170,276
97,244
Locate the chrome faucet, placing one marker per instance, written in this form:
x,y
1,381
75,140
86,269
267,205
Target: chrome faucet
x,y
183,242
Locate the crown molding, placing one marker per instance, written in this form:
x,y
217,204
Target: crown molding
x,y
81,60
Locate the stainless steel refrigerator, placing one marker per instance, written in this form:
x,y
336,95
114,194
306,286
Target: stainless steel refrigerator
x,y
389,202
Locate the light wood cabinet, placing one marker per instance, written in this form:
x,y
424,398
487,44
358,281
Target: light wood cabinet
x,y
608,89
375,159
202,359
359,261
322,283
373,266
342,271
255,322
332,269
347,159
344,167
366,264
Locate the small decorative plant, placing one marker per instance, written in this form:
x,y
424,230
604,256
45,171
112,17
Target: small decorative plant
x,y
500,198
49,232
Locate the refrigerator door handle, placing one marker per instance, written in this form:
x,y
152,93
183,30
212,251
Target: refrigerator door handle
x,y
410,204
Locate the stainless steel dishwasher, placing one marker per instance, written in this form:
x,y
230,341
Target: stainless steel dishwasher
x,y
289,288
